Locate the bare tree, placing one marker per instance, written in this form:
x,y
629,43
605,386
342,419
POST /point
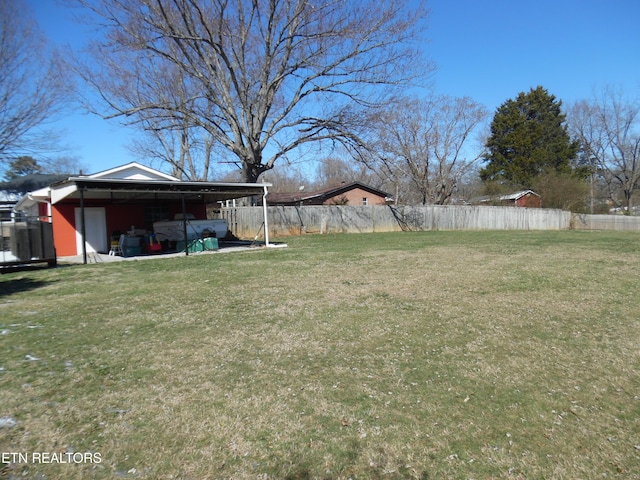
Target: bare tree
x,y
189,151
31,83
334,170
262,77
64,164
428,142
608,129
187,148
287,179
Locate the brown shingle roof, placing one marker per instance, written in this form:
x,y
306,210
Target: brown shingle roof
x,y
301,196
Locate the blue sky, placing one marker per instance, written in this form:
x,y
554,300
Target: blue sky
x,y
488,50
493,50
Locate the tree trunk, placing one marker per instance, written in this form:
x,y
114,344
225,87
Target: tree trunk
x,y
628,199
252,171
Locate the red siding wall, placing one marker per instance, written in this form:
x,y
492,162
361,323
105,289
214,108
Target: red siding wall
x,y
43,211
529,201
64,230
119,217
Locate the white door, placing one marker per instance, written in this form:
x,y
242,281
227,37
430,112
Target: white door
x,y
95,230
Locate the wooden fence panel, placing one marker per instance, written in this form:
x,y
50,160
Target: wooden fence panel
x,y
605,222
245,222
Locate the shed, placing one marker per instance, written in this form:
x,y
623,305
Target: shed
x,y
524,198
87,211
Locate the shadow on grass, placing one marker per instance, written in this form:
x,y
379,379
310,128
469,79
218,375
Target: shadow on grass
x,y
302,473
18,285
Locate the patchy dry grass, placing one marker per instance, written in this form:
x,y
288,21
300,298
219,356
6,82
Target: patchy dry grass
x,y
415,355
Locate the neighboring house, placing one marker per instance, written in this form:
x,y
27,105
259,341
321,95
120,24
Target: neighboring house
x,y
7,202
12,191
353,194
525,198
115,201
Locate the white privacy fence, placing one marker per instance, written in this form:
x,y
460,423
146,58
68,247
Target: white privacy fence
x,y
605,222
246,222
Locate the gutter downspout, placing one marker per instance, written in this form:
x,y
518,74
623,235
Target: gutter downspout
x,y
264,213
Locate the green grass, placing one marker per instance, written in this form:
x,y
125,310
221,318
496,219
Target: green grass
x,y
405,355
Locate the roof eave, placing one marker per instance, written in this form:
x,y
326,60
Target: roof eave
x,y
72,187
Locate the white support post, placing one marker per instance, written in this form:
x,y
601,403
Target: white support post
x,y
264,213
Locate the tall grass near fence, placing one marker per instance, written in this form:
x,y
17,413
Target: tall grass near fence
x,y
395,355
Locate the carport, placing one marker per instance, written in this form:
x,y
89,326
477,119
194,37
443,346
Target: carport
x,y
87,192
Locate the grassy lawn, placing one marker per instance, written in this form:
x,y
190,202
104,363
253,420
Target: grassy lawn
x,y
405,355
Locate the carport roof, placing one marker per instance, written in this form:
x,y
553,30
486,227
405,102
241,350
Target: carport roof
x,y
127,189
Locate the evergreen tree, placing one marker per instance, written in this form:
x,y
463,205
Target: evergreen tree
x,y
22,166
528,139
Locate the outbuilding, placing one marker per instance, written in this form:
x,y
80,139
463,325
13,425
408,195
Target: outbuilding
x,y
88,212
523,198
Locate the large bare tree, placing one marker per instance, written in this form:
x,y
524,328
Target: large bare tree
x,y
264,78
32,88
608,129
428,142
187,150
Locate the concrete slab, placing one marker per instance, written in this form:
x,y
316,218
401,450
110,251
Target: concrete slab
x,y
226,247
